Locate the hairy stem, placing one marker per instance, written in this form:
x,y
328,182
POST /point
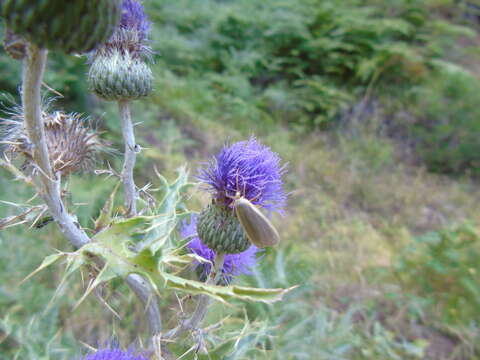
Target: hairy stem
x,y
203,302
129,158
50,183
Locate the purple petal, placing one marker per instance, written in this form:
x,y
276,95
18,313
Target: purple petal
x,y
250,169
235,264
134,18
113,354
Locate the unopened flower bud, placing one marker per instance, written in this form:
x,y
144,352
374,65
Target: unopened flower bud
x,y
118,76
118,68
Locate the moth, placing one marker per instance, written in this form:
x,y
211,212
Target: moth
x,y
259,230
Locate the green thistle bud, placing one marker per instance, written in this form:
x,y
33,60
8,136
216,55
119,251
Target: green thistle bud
x,y
72,26
116,76
220,230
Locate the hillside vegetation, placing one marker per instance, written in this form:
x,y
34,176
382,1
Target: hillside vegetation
x,y
375,106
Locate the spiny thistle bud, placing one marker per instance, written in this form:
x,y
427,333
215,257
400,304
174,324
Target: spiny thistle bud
x,y
118,69
14,45
120,76
72,26
234,264
245,169
72,146
221,231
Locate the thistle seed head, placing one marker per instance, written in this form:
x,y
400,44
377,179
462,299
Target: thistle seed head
x,y
14,45
72,144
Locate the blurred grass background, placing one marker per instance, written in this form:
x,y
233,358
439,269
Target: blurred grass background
x,y
374,105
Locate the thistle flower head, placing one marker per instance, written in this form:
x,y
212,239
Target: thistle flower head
x,y
234,264
118,68
247,168
134,18
15,45
131,35
72,145
113,354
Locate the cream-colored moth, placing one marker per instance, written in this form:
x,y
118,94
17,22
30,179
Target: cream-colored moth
x,y
259,230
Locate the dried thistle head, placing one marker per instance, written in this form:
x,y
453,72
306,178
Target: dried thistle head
x,y
73,144
14,45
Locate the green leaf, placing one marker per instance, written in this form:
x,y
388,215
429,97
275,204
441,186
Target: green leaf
x,y
123,262
103,276
115,245
105,216
159,234
223,293
49,260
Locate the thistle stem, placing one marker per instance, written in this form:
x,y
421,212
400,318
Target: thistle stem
x,y
143,290
129,157
50,183
204,302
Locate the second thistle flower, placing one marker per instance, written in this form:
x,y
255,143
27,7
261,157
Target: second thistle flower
x,y
118,69
247,169
234,264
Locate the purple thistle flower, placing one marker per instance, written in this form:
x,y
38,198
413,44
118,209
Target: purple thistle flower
x,y
134,18
234,264
249,168
114,354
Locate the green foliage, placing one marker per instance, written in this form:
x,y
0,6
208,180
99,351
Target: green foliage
x,y
322,54
39,339
446,132
443,267
230,68
304,327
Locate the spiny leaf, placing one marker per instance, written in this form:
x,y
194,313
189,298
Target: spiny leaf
x,y
74,262
49,260
105,216
223,293
162,227
104,275
124,262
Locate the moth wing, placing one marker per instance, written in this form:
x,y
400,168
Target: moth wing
x,y
260,231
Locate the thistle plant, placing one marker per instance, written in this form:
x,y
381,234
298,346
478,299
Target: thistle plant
x,y
72,143
72,26
246,169
154,247
233,265
118,71
113,353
